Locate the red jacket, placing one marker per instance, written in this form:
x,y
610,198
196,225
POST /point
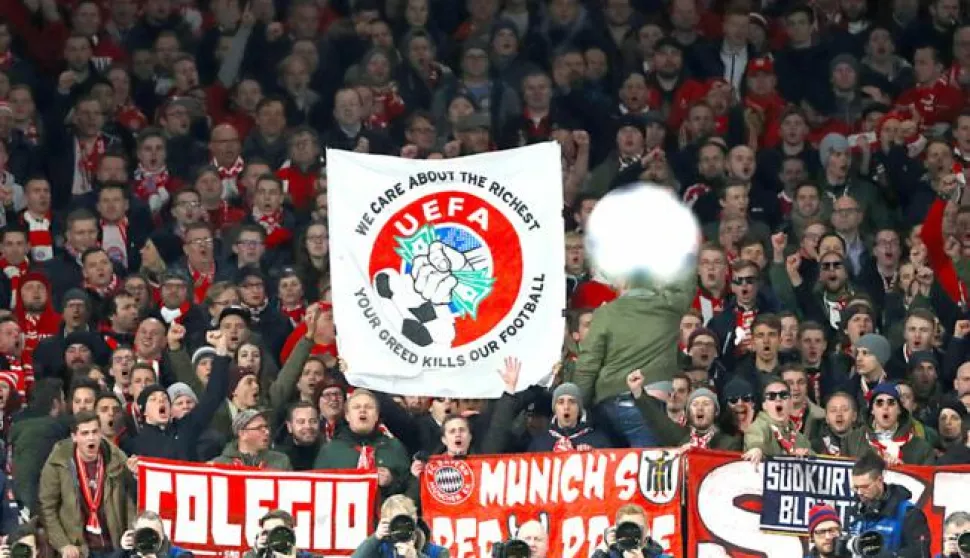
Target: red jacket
x,y
299,184
36,328
937,102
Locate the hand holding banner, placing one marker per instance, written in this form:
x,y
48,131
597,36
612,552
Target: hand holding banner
x,y
447,267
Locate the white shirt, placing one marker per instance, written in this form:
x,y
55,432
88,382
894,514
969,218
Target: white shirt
x,y
735,62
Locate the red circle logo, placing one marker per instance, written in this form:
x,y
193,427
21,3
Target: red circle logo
x,y
449,264
449,481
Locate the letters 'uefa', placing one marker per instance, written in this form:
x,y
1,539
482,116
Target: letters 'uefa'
x,y
444,268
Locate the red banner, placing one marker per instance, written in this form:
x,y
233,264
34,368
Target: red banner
x,y
724,497
472,503
216,509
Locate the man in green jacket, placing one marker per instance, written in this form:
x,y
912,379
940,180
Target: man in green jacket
x,y
87,495
251,446
363,446
638,330
890,433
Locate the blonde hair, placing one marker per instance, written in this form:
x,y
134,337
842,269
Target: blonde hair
x,y
398,504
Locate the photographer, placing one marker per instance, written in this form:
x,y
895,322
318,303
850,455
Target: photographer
x,y
824,531
956,536
146,539
22,543
276,538
399,534
886,509
629,537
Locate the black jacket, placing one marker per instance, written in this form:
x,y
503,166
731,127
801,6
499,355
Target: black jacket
x,y
180,439
301,457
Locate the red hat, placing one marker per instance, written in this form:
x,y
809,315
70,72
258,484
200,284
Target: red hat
x,y
761,64
821,513
592,294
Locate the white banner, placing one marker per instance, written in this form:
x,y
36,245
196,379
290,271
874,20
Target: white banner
x,y
442,268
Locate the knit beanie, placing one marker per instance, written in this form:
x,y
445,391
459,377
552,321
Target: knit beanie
x,y
236,375
737,387
704,392
819,514
831,143
178,389
877,345
883,388
146,393
202,352
568,389
844,58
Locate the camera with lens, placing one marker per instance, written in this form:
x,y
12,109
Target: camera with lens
x,y
147,541
512,548
963,545
401,528
869,543
21,550
628,536
281,539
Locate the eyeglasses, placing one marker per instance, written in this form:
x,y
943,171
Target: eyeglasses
x,y
249,243
776,395
253,285
199,242
830,532
885,402
189,204
744,398
257,428
831,266
748,280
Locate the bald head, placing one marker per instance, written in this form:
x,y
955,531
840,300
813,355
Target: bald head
x,y
224,132
534,534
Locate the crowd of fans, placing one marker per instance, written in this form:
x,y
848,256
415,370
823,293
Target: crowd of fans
x,y
165,272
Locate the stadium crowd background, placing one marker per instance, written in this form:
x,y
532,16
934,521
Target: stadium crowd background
x,y
164,247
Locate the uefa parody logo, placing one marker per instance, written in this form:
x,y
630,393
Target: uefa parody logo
x,y
449,481
448,268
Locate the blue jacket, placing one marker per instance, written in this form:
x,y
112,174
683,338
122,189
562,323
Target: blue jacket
x,y
902,525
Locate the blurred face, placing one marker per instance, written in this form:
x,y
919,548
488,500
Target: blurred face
x,y
703,351
634,93
290,291
186,75
187,207
459,108
82,234
416,13
844,77
712,269
765,342
702,413
249,358
744,285
885,412
537,90
174,293
961,384
824,537
88,118
249,247
798,386
629,141
255,436
87,439
34,296
182,406
777,401
362,414
789,333
832,274
198,247
347,108
176,120
456,436
97,269
688,323
246,395
271,119
150,337
296,76
474,63
310,378
140,379
112,205
567,411
332,404
859,325
82,400
840,414
77,53
918,334
126,313
536,537
924,376
234,328
754,253
248,95
812,345
225,145
158,409
735,201
700,120
109,415
304,425
950,425
505,42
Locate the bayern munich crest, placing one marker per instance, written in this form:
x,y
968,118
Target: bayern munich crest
x,y
449,481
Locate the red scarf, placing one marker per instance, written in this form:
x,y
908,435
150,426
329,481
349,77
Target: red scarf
x,y
229,176
787,443
179,318
91,158
148,183
707,304
202,282
129,116
798,418
701,441
39,237
276,233
240,463
294,313
91,501
536,128
329,429
742,322
367,459
113,286
24,371
885,450
36,328
565,443
815,384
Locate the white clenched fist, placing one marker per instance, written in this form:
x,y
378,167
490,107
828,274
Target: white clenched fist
x,y
433,274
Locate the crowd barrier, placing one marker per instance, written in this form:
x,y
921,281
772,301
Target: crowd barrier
x,y
701,504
